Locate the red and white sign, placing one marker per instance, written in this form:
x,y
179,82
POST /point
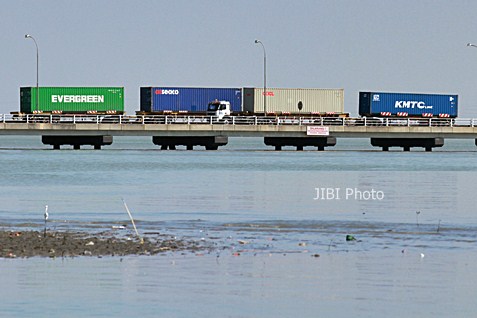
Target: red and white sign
x,y
317,131
268,93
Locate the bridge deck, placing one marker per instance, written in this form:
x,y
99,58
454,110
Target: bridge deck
x,y
236,126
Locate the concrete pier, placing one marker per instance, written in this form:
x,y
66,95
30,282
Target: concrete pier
x,y
171,142
300,142
77,141
407,143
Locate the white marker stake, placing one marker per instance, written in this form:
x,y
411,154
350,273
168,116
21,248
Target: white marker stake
x,y
132,220
46,219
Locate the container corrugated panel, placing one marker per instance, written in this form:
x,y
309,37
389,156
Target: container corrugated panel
x,y
313,100
374,103
72,99
192,99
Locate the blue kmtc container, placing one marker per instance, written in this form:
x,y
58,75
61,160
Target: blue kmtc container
x,y
191,99
380,104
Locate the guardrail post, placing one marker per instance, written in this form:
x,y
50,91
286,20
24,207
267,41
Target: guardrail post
x,y
365,124
408,122
233,120
321,121
120,119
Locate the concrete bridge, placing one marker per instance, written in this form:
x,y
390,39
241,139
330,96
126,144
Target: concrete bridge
x,y
211,132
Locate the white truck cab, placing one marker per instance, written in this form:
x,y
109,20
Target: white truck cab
x,y
219,108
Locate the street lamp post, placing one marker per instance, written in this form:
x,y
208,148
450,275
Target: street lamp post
x,y
264,77
28,36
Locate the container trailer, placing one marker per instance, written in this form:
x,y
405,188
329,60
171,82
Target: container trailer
x,y
187,99
242,101
380,104
302,101
72,100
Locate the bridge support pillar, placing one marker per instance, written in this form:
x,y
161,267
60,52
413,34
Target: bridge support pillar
x,y
77,141
408,143
300,142
209,142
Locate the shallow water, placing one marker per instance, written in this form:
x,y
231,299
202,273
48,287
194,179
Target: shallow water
x,y
414,253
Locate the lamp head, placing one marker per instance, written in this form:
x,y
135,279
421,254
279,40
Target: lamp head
x,y
256,41
27,36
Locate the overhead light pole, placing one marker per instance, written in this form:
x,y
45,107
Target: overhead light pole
x,y
264,77
28,36
471,45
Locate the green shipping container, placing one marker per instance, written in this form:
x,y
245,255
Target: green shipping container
x,y
73,100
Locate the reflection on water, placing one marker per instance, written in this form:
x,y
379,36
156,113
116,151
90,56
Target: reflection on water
x,y
384,283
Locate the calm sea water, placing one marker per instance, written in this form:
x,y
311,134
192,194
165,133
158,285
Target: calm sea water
x,y
412,214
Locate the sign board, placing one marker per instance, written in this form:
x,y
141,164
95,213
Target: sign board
x,y
317,131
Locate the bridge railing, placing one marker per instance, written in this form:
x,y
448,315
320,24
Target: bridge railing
x,y
237,120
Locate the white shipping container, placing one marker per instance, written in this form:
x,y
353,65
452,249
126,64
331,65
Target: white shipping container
x,y
279,100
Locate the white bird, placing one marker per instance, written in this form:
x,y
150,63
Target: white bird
x,y
46,213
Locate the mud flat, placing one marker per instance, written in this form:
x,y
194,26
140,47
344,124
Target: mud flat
x,y
24,244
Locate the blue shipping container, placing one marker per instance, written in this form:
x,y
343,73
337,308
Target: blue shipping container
x,y
192,99
374,103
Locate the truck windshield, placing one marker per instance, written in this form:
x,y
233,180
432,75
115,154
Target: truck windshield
x,y
214,107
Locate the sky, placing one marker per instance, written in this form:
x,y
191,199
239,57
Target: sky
x,y
367,45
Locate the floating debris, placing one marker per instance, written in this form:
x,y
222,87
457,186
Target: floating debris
x,y
350,238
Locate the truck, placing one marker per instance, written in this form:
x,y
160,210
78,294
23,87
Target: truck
x,y
191,100
242,101
383,104
218,108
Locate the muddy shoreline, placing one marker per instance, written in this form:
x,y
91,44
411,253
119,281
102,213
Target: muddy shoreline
x,y
24,244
